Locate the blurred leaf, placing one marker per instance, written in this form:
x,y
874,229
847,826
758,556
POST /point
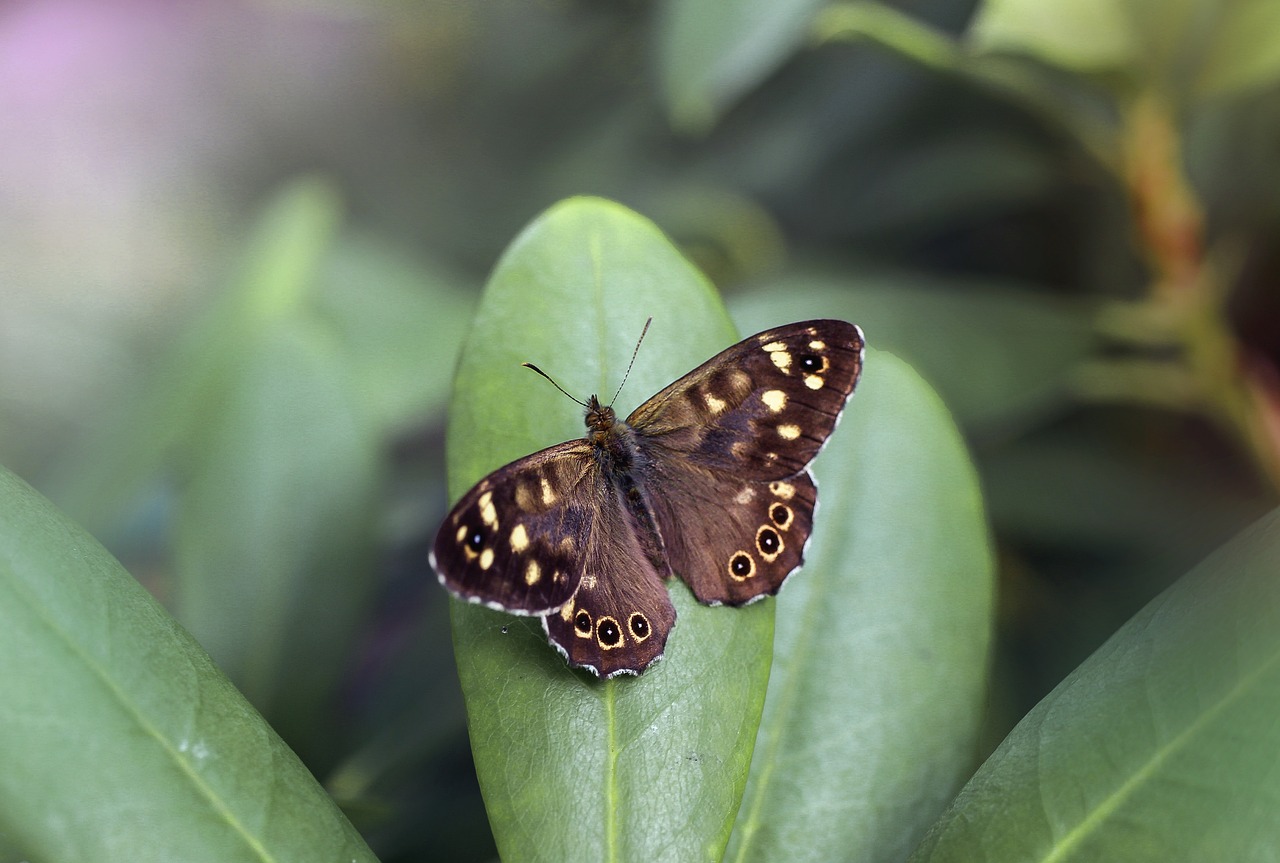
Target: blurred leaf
x,y
711,52
1084,35
1245,50
274,529
100,478
1160,747
996,355
401,323
119,738
1187,47
881,652
575,768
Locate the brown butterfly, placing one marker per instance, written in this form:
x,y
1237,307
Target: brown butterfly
x,y
708,480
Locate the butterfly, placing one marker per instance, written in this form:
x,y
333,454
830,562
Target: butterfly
x,y
707,481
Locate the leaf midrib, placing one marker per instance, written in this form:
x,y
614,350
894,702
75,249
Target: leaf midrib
x,y
1109,805
800,654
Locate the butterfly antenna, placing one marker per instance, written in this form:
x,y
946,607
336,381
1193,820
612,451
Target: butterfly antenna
x,y
553,381
633,360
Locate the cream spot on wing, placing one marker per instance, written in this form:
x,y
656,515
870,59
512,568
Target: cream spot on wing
x,y
714,404
548,495
789,432
488,512
589,582
775,400
566,613
486,558
519,538
558,577
813,382
746,495
774,346
782,360
462,534
567,544
532,573
818,345
739,449
783,490
524,498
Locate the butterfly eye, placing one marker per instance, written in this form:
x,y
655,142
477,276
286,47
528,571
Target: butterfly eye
x,y
582,622
475,539
781,515
639,626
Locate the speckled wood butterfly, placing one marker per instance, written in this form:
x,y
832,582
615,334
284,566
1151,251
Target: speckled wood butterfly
x,y
708,480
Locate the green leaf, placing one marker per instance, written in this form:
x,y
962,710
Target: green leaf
x,y
574,768
274,527
119,738
881,651
1084,35
711,52
1161,746
1245,49
1200,48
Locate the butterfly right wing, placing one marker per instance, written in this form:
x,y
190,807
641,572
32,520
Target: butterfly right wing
x,y
517,540
727,449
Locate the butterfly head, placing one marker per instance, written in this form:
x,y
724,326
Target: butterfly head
x,y
600,418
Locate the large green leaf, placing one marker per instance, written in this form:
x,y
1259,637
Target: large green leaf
x,y
881,651
574,768
1161,746
119,738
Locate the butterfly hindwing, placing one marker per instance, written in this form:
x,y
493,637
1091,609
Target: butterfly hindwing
x,y
516,540
754,543
619,619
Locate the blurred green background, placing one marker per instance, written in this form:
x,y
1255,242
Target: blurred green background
x,y
242,242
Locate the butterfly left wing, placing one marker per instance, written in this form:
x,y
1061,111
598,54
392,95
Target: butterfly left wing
x,y
515,541
549,535
727,449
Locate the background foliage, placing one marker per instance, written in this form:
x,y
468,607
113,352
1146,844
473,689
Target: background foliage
x,y
243,246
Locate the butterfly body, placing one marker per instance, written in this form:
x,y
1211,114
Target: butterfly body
x,y
708,481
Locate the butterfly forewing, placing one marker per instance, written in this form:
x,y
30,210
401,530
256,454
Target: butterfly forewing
x,y
762,408
516,540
